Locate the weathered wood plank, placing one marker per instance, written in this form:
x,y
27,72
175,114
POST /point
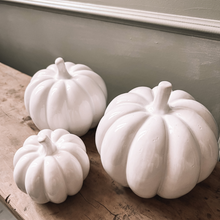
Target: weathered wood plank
x,y
100,197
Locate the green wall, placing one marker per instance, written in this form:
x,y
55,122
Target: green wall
x,y
126,56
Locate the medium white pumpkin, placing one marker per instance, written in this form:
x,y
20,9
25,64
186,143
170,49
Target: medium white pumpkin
x,y
157,141
65,95
51,165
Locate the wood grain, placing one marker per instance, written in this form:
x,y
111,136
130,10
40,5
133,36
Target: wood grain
x,y
100,197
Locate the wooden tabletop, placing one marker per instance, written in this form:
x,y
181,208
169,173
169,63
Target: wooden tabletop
x,y
100,197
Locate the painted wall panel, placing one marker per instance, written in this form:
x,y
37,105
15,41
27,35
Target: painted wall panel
x,y
125,56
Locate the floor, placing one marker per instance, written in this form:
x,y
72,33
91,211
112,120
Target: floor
x,y
5,214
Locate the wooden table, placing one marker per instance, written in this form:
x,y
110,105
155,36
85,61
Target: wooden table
x,y
100,197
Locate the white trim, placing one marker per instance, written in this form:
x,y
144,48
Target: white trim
x,y
206,26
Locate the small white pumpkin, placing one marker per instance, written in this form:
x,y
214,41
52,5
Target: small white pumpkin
x,y
157,141
51,165
66,95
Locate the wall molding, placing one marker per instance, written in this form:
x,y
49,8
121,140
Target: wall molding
x,y
173,23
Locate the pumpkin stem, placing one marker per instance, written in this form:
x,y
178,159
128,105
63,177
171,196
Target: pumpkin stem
x,y
62,71
48,145
160,103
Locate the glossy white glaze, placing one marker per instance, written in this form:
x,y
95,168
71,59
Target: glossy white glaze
x,y
65,95
157,141
51,165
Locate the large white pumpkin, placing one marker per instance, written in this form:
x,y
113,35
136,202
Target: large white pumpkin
x,y
51,165
66,95
157,141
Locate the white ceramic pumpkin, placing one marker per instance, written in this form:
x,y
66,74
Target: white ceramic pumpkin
x,y
66,95
157,141
51,165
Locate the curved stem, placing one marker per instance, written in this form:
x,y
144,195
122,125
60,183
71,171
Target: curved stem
x,y
62,71
160,103
48,145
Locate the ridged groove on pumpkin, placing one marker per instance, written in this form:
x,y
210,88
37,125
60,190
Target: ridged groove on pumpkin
x,y
35,180
97,80
126,98
65,116
42,75
23,151
146,160
58,133
198,127
38,110
70,139
183,162
30,89
94,104
118,149
74,69
186,123
115,110
200,110
75,115
21,168
70,167
53,180
50,72
178,95
79,153
144,92
114,115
